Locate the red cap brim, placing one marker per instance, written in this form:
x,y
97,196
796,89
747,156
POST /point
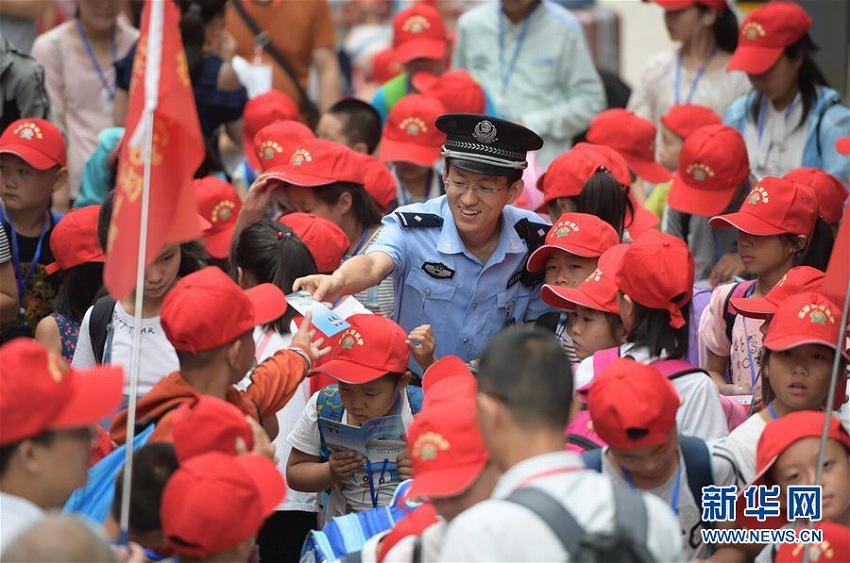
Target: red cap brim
x,y
753,307
269,302
34,158
96,393
349,372
747,223
567,298
52,268
286,174
395,151
218,242
650,170
686,199
424,81
267,479
433,49
537,260
446,482
788,341
754,60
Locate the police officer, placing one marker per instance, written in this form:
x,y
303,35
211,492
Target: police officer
x,y
458,261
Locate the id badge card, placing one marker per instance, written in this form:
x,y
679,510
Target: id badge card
x,y
746,400
259,79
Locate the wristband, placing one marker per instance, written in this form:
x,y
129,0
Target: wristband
x,y
299,349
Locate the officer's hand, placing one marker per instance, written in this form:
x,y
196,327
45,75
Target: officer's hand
x,y
262,444
322,287
405,467
344,464
727,267
306,340
422,344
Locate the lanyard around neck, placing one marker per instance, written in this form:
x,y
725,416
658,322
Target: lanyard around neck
x,y
90,52
753,376
24,281
697,77
771,411
675,501
374,492
507,71
763,113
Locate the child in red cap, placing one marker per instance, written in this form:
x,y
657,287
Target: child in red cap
x,y
633,409
370,363
219,204
791,117
655,282
829,191
32,168
778,228
799,350
568,256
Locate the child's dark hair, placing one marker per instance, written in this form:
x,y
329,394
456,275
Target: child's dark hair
x,y
153,465
361,122
818,249
615,324
365,209
81,286
604,197
809,77
652,329
272,253
194,14
725,28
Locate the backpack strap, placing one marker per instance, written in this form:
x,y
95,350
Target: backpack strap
x,y
601,359
328,405
630,514
100,326
593,459
581,441
415,397
553,513
831,102
740,289
417,549
674,368
697,466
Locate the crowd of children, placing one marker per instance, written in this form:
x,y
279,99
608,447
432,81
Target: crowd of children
x,y
524,365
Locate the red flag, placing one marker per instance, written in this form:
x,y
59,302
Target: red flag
x,y
160,92
834,284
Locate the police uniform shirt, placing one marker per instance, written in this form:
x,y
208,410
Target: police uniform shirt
x,y
438,282
500,530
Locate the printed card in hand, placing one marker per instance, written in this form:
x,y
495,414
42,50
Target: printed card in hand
x,y
326,321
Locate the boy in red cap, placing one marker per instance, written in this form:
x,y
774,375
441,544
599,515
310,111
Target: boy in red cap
x,y
210,323
633,408
235,495
411,147
48,412
32,168
713,177
569,254
369,361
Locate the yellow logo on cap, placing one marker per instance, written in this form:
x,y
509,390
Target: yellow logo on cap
x,y
413,126
818,314
564,228
699,171
758,194
753,30
815,551
29,131
416,24
349,338
222,211
56,367
268,149
301,155
429,445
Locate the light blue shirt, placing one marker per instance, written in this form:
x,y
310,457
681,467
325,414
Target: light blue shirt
x,y
467,308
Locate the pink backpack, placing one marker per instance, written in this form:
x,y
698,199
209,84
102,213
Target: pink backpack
x,y
578,437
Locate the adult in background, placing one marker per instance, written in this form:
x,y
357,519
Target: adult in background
x,y
531,58
458,260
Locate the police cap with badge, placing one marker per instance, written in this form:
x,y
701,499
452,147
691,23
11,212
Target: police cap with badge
x,y
486,145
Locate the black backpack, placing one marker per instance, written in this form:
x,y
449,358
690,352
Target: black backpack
x,y
100,326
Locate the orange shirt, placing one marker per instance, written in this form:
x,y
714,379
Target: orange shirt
x,y
296,28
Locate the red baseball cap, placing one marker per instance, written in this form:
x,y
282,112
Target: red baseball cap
x,y
835,546
449,381
673,5
657,271
446,368
273,144
569,171
214,502
779,435
597,292
765,33
324,239
795,281
806,318
446,449
220,205
73,241
379,181
829,191
633,137
684,119
774,207
264,110
206,309
628,395
208,424
419,33
411,134
712,164
385,66
843,145
581,234
319,162
372,347
37,141
39,391
457,90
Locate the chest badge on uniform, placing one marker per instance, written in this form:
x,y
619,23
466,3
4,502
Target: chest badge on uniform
x,y
437,270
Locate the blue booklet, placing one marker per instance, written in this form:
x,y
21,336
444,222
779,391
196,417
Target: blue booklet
x,y
326,321
378,439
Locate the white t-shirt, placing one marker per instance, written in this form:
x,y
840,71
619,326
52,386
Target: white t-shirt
x,y
432,542
16,515
701,413
775,144
158,357
287,418
743,441
351,495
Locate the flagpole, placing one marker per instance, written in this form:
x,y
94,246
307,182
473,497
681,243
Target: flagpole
x,y
151,87
830,399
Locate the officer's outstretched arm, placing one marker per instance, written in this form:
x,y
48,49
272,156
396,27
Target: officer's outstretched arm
x,y
355,275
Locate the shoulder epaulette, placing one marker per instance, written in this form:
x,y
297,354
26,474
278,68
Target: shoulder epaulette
x,y
533,233
413,220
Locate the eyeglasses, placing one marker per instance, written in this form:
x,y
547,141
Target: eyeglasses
x,y
464,186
